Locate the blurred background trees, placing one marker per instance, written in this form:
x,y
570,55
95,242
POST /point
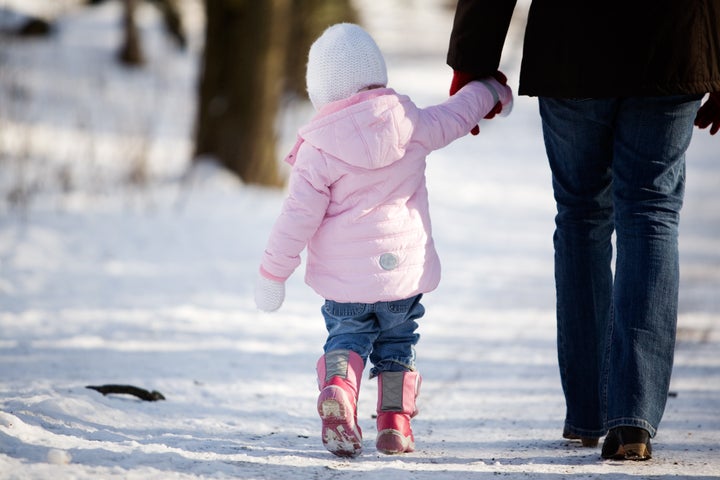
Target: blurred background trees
x,y
255,53
131,50
253,60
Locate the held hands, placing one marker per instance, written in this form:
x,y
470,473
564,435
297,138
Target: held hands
x,y
269,294
709,114
460,79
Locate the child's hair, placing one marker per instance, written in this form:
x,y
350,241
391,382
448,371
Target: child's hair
x,y
342,61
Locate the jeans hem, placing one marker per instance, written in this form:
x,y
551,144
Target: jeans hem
x,y
392,365
632,422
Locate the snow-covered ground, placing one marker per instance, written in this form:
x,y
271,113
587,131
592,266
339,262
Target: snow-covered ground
x,y
118,266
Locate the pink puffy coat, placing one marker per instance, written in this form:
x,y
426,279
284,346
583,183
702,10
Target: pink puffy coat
x,y
357,196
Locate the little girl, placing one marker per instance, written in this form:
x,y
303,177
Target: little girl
x,y
357,200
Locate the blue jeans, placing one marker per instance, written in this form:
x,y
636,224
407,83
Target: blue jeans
x,y
618,165
383,331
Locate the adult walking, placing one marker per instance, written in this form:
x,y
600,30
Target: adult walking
x,y
619,86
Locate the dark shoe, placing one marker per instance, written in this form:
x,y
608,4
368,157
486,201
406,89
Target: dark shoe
x,y
627,443
589,442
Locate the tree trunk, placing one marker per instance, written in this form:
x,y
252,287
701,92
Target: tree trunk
x,y
173,21
131,51
240,86
309,19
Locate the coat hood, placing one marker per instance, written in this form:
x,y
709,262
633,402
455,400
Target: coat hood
x,y
368,130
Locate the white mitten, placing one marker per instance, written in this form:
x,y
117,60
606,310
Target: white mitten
x,y
269,294
501,93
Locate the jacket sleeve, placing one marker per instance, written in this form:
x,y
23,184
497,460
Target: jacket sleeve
x,y
439,125
301,215
478,35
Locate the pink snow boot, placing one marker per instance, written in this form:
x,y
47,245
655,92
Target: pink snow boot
x,y
339,373
396,406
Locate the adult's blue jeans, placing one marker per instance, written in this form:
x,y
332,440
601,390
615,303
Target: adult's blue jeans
x,y
382,331
618,166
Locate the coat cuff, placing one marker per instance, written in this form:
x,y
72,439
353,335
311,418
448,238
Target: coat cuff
x,y
270,276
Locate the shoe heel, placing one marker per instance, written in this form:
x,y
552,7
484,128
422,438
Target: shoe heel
x,y
332,410
588,442
627,443
636,451
392,442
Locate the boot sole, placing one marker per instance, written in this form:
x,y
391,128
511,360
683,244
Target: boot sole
x,y
340,434
392,442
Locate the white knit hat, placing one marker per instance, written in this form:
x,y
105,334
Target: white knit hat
x,y
341,62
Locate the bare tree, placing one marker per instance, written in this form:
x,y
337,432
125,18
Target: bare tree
x,y
310,18
240,86
131,50
251,49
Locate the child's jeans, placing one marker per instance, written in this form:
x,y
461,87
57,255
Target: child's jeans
x,y
382,331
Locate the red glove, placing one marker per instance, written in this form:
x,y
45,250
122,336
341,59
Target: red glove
x,y
709,114
460,79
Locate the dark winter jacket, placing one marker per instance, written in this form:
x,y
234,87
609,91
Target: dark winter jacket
x,y
596,48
